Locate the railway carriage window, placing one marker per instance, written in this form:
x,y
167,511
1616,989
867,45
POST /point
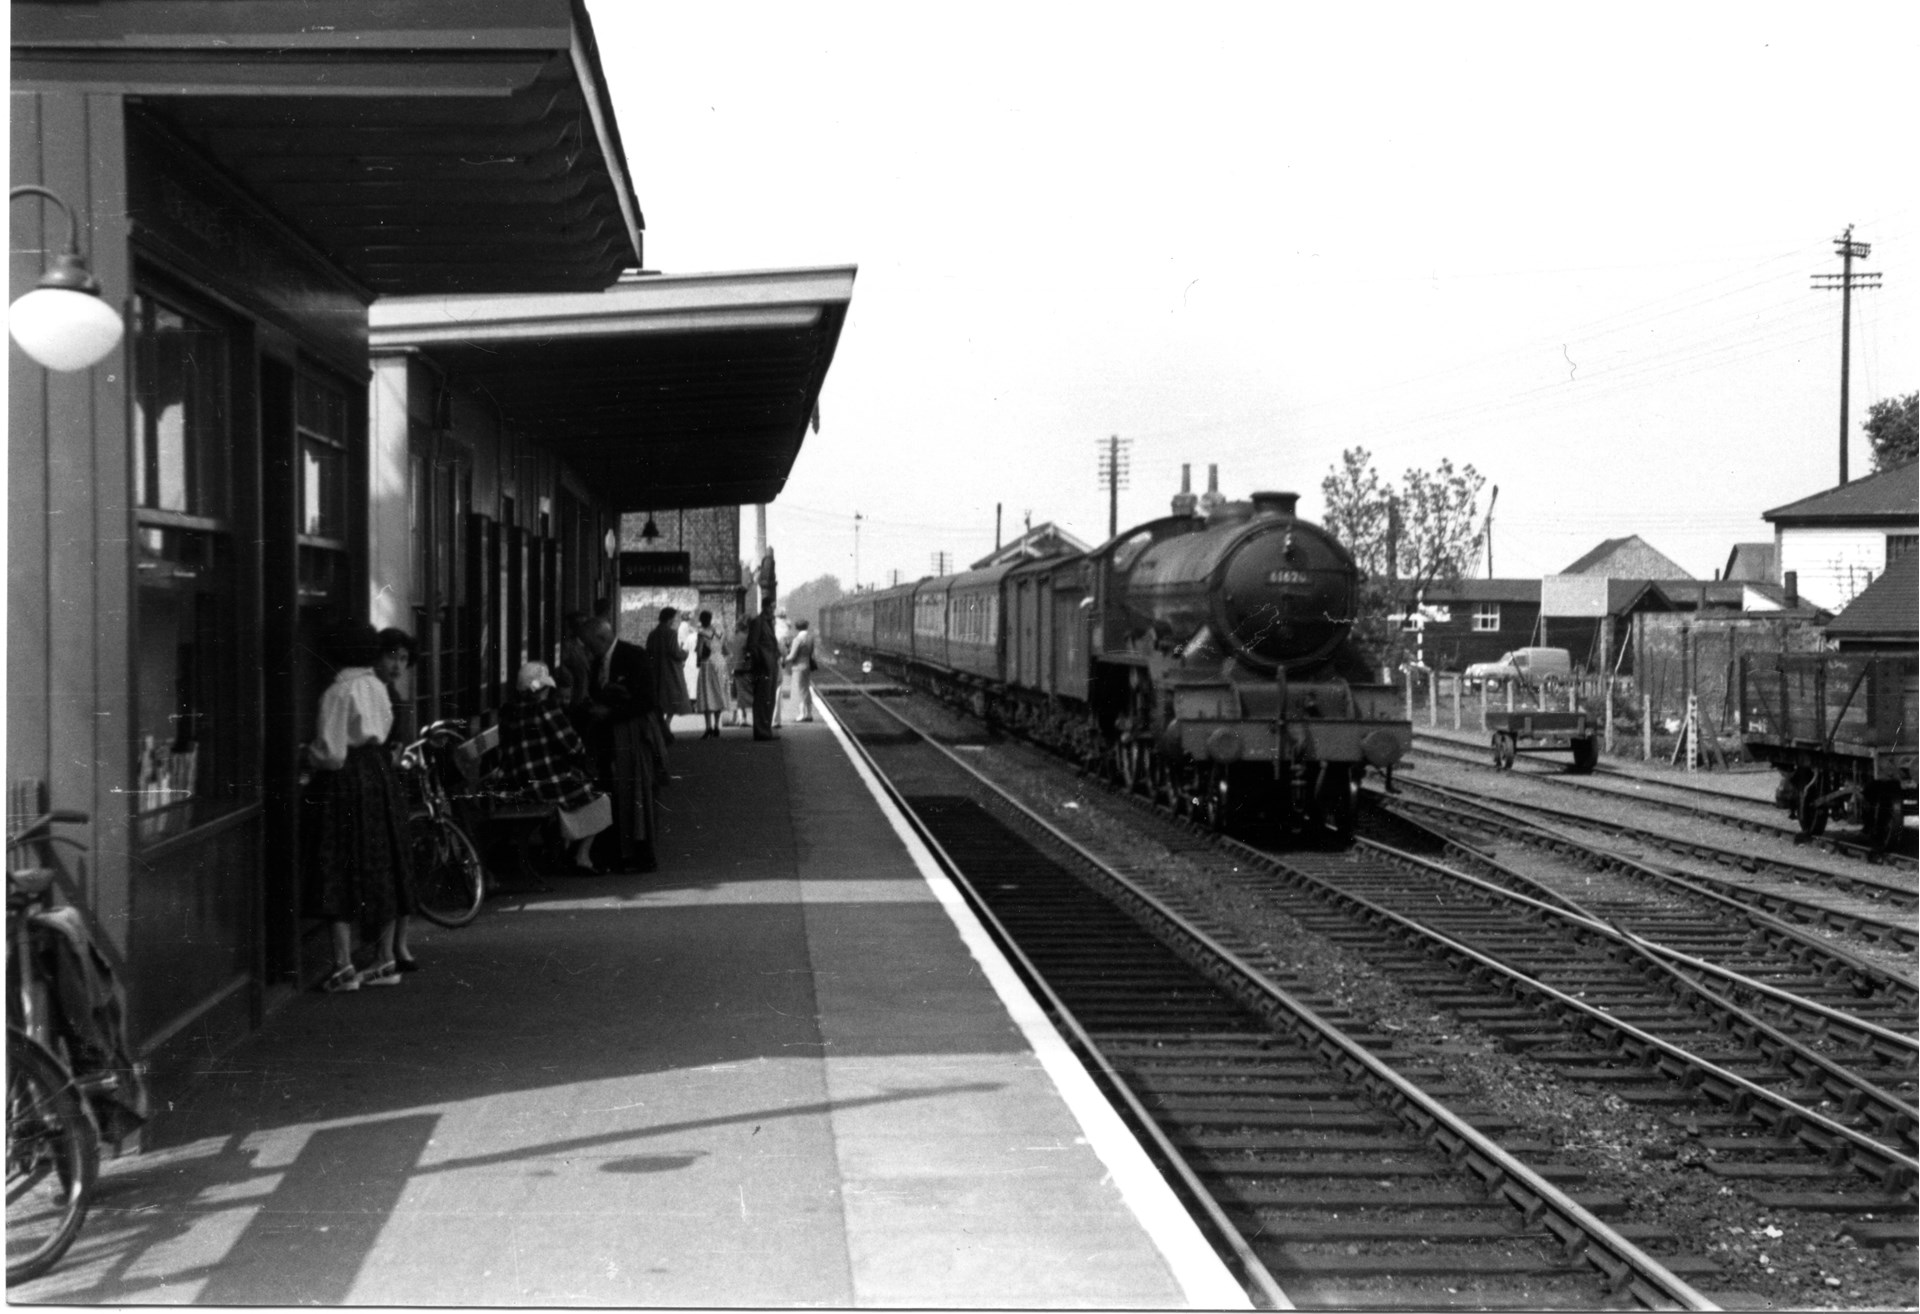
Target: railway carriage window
x,y
1486,616
192,740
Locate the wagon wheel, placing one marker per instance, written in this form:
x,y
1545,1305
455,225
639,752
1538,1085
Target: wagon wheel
x,y
1586,753
1885,817
1503,752
1811,814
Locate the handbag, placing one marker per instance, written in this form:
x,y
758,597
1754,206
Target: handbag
x,y
587,819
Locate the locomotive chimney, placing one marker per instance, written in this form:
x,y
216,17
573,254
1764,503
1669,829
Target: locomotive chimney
x,y
1184,501
1211,499
1280,504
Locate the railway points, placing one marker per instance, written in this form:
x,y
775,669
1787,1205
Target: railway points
x,y
1683,1129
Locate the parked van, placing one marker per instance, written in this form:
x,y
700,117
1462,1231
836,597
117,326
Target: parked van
x,y
1528,667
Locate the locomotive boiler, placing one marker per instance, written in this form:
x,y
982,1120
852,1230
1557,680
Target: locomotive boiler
x,y
1205,659
1227,675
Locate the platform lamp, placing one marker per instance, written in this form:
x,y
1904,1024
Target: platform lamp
x,y
64,324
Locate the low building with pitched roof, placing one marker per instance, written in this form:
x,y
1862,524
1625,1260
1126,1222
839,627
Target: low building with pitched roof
x,y
1834,544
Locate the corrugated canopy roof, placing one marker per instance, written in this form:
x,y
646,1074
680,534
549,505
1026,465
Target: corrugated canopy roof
x,y
425,146
664,391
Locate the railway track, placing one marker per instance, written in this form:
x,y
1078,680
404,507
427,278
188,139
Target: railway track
x,y
1275,1121
1706,803
1874,907
1792,1099
1214,1072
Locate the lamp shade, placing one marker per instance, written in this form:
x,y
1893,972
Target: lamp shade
x,y
64,329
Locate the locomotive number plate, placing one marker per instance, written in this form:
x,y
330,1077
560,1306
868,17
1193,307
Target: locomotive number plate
x,y
1287,577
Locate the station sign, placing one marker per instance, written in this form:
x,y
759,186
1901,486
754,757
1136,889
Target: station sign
x,y
642,570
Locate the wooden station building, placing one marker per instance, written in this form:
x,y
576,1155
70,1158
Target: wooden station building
x,y
380,362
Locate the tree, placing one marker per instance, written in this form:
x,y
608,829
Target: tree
x,y
805,601
1407,540
1893,429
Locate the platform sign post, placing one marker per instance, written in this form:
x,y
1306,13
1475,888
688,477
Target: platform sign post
x,y
1646,727
1692,731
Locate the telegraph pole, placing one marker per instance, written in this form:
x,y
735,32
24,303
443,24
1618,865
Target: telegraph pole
x,y
1114,467
856,551
1846,280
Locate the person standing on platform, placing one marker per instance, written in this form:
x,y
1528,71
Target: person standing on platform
x,y
575,671
763,653
710,661
669,675
740,654
620,722
800,663
782,635
353,824
398,652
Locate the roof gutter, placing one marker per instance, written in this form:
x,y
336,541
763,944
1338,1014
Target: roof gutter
x,y
586,67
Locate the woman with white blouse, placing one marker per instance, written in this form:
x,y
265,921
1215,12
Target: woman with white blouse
x,y
354,822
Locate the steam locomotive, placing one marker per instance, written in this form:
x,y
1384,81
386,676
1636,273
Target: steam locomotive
x,y
1203,659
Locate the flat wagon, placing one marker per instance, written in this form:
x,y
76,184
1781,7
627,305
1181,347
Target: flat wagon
x,y
1544,732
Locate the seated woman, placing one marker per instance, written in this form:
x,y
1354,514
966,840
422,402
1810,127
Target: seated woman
x,y
541,753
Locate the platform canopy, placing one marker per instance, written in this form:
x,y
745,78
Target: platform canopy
x,y
664,391
425,146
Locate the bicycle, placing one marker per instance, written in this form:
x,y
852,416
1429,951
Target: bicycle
x,y
53,1142
449,880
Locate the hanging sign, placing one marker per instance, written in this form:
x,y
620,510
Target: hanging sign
x,y
640,570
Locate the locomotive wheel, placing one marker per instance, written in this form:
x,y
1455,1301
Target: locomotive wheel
x,y
1503,752
1338,803
1811,815
1215,801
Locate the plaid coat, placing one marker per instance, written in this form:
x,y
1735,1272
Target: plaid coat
x,y
542,754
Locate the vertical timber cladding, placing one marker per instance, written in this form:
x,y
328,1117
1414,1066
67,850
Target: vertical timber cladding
x,y
69,572
208,918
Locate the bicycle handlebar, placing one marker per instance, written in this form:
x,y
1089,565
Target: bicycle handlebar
x,y
36,828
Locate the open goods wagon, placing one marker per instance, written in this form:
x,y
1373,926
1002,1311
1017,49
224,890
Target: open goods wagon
x,y
1842,731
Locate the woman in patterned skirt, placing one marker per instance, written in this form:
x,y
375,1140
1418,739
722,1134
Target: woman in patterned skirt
x,y
354,822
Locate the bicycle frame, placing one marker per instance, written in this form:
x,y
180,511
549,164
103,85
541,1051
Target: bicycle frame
x,y
29,889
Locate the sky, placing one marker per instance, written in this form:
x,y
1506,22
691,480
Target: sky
x,y
1573,247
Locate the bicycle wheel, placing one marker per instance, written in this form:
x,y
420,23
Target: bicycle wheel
x,y
53,1155
448,880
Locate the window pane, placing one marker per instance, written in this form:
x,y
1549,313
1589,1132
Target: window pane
x,y
179,410
322,490
193,735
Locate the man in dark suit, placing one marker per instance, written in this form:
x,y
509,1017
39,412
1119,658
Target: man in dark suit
x,y
763,652
619,722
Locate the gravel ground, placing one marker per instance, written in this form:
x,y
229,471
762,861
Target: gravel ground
x,y
1769,1260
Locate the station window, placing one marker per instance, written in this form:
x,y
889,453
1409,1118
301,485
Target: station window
x,y
193,740
1486,616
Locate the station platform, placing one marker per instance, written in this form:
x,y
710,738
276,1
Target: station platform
x,y
786,1069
